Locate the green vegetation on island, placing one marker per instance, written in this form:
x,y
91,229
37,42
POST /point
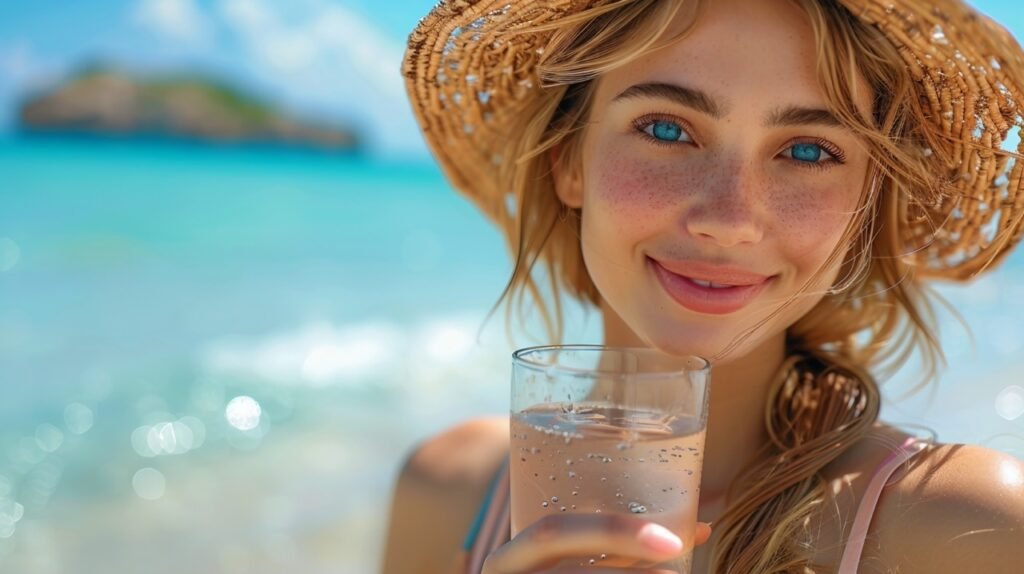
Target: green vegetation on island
x,y
104,101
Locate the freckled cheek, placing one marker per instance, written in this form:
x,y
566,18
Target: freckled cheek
x,y
809,222
636,189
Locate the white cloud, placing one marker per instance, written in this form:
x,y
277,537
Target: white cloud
x,y
322,56
178,20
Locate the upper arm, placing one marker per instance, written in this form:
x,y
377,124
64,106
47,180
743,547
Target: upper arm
x,y
963,511
439,488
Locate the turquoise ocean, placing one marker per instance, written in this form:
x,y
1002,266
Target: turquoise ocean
x,y
214,359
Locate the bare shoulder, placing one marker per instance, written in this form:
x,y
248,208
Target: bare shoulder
x,y
464,455
439,488
959,508
952,508
847,479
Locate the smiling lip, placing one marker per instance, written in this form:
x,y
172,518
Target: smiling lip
x,y
676,279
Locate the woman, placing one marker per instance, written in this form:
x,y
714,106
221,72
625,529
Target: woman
x,y
768,183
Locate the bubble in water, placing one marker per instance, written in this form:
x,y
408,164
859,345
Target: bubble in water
x,y
552,477
544,504
623,445
592,561
568,461
572,474
637,508
618,495
603,556
554,499
563,509
575,492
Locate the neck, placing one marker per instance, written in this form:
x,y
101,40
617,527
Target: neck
x,y
736,431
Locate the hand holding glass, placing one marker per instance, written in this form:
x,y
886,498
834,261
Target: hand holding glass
x,y
600,429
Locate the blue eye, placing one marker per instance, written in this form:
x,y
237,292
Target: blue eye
x,y
665,131
807,152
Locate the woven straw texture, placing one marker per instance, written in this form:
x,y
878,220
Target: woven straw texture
x,y
470,70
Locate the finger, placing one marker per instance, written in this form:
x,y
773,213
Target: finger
x,y
556,537
702,534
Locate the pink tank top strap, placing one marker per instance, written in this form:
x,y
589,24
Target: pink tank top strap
x,y
859,531
495,528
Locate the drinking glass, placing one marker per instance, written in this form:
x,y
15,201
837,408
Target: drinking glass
x,y
598,429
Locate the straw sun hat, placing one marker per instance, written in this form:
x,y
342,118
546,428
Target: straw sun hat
x,y
470,70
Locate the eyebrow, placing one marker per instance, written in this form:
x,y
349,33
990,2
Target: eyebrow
x,y
708,105
689,97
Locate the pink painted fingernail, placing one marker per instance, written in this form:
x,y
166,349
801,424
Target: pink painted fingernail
x,y
658,538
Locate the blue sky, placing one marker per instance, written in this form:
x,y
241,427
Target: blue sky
x,y
333,58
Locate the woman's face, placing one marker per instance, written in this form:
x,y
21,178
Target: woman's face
x,y
715,159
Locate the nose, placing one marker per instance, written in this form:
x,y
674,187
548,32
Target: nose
x,y
727,211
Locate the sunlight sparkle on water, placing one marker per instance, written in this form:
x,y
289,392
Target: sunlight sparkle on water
x,y
149,483
10,513
1010,402
49,437
78,418
243,413
183,435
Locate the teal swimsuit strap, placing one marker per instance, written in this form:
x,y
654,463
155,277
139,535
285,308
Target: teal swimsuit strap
x,y
474,530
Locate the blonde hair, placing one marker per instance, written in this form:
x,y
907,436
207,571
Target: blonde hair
x,y
876,315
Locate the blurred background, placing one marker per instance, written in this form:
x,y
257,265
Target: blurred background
x,y
235,289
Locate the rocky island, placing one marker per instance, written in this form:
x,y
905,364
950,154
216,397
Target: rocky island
x,y
105,101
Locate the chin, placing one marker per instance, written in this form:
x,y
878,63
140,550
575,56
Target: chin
x,y
692,342
699,340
